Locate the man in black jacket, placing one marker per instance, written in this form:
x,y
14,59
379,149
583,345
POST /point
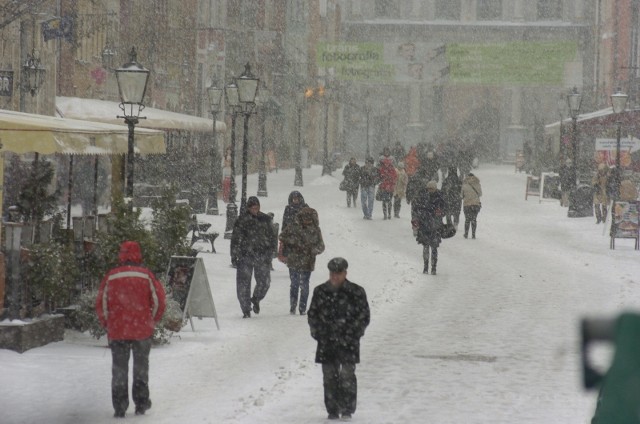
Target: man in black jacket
x,y
252,249
338,316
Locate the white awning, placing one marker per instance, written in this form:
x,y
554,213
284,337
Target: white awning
x,y
107,111
24,133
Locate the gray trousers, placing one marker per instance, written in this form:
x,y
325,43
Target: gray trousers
x,y
120,352
244,272
340,387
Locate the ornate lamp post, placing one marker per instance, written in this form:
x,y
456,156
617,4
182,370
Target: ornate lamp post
x,y
132,83
619,103
247,90
233,102
215,102
262,172
33,73
574,100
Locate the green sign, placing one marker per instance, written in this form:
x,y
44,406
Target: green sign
x,y
520,63
355,61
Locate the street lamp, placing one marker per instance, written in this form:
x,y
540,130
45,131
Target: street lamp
x,y
262,171
215,102
132,83
33,73
247,90
574,100
619,103
233,102
297,180
326,166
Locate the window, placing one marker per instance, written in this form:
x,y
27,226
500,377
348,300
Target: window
x,y
489,10
448,10
549,10
387,9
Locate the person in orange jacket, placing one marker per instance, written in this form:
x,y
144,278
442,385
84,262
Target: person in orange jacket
x,y
130,302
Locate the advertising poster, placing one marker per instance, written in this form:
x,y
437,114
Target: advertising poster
x,y
625,216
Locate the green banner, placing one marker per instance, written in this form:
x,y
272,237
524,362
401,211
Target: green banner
x,y
355,61
519,63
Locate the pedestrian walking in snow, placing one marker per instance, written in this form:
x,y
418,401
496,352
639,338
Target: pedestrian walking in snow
x,y
452,192
303,241
600,183
400,190
471,193
130,302
427,211
567,181
388,177
338,316
351,173
368,180
295,203
252,245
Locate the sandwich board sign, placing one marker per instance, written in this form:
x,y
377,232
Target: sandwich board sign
x,y
189,286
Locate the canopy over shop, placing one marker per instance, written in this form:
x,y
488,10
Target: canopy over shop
x,y
22,133
596,139
188,139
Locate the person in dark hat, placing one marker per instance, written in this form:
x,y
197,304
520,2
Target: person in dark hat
x,y
338,316
252,248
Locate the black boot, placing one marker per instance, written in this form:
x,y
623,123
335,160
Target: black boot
x,y
473,229
426,267
466,229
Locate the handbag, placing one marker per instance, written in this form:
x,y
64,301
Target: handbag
x,y
378,194
343,185
447,231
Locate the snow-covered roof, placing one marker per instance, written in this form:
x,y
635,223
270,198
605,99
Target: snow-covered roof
x,y
108,112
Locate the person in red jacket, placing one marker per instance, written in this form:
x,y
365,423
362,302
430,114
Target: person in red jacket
x,y
129,304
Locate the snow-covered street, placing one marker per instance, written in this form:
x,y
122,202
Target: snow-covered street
x,y
493,338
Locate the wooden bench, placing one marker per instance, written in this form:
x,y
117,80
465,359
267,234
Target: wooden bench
x,y
199,230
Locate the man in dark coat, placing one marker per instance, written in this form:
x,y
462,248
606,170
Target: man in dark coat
x,y
130,302
338,316
427,211
452,192
252,249
368,181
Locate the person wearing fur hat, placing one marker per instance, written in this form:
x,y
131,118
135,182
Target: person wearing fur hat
x,y
303,240
600,183
338,316
130,302
427,211
400,190
252,249
471,193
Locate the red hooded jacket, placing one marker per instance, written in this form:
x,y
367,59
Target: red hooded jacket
x,y
130,299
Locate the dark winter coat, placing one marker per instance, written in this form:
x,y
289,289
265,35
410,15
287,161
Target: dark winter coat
x,y
303,241
368,176
253,239
292,209
351,175
452,192
130,299
427,211
337,320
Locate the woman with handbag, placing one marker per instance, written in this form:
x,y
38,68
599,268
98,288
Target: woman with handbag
x,y
351,174
471,192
